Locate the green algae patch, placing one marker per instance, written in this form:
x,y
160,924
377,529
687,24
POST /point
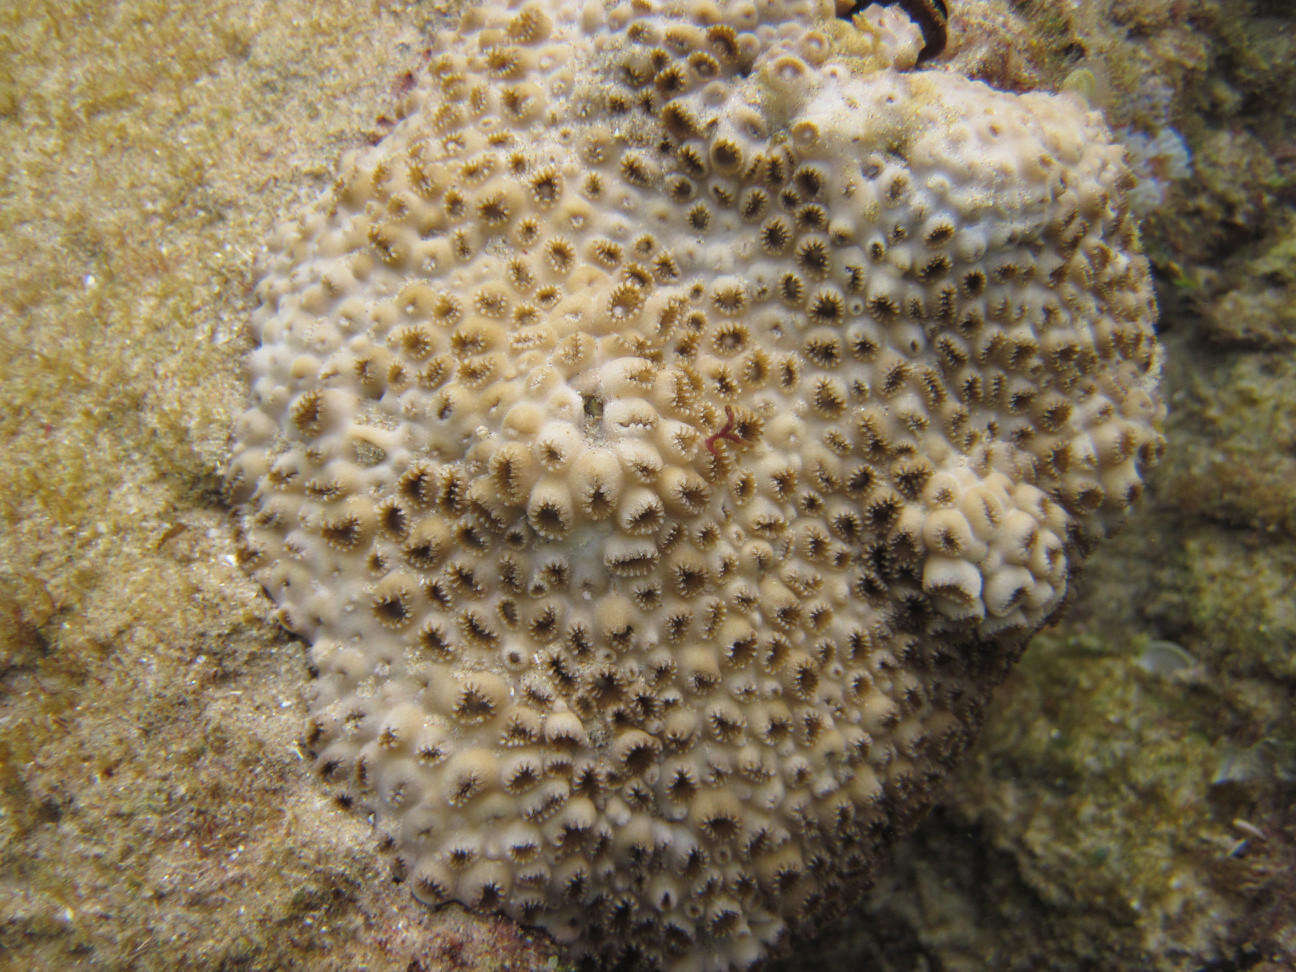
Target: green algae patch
x,y
1242,602
1236,457
1097,788
1101,764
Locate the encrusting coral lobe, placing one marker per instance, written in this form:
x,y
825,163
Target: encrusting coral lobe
x,y
668,435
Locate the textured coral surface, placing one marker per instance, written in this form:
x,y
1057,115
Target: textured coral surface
x,y
667,436
154,808
1126,812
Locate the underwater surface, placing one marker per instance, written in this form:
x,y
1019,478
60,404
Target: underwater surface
x,y
1129,804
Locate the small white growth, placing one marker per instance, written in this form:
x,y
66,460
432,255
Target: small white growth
x,y
1156,161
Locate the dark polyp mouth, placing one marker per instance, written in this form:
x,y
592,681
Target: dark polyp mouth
x,y
931,17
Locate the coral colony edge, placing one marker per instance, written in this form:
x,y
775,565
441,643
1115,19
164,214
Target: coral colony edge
x,y
666,438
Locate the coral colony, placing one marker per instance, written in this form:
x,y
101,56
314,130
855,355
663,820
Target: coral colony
x,y
668,435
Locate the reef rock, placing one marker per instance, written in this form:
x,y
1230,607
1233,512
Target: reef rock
x,y
668,435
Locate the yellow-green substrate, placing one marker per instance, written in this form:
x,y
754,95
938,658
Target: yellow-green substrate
x,y
154,807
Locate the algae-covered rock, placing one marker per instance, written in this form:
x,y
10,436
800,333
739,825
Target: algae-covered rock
x,y
155,809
